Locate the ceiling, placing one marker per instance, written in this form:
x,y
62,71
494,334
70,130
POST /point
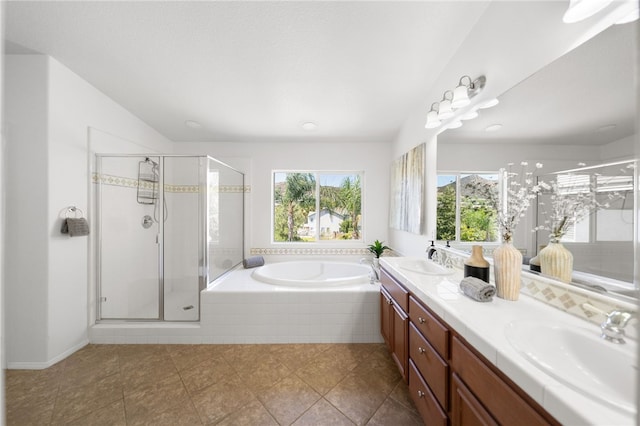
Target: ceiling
x,y
256,71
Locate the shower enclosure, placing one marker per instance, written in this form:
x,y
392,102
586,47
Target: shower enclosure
x,y
167,225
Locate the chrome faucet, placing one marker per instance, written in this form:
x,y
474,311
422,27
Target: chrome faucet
x,y
374,273
613,327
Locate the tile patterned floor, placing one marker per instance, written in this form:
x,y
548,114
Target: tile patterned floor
x,y
230,385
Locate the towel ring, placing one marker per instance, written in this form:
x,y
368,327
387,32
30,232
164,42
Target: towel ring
x,y
74,210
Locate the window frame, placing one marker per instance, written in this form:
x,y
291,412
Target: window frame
x,y
317,235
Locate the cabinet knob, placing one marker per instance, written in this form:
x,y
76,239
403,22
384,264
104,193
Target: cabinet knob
x,y
421,350
420,394
421,320
389,302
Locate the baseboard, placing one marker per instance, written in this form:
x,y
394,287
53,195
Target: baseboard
x,y
18,365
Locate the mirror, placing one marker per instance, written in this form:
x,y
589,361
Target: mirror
x,y
601,236
580,108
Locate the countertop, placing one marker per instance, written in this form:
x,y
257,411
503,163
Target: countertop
x,y
483,325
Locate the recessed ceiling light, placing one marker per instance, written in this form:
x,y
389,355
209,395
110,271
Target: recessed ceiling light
x,y
493,128
606,128
488,104
309,125
192,124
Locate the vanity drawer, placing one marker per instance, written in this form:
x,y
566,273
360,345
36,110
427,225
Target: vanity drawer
x,y
395,289
500,399
430,365
426,403
432,329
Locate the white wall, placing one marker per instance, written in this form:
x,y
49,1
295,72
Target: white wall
x,y
511,41
258,159
3,363
49,112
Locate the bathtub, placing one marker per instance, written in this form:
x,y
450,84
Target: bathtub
x,y
293,302
313,274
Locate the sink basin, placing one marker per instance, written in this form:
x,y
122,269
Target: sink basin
x,y
423,266
580,359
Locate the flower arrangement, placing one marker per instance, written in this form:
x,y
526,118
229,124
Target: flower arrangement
x,y
571,199
515,199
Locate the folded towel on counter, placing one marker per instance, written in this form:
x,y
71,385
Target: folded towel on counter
x,y
477,289
253,262
75,227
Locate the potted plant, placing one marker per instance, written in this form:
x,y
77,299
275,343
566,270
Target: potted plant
x,y
377,248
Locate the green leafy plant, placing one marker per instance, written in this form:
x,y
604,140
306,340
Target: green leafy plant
x,y
377,248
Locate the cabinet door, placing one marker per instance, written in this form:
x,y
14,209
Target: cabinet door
x,y
386,309
400,340
465,408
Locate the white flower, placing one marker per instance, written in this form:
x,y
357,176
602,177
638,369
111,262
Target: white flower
x,y
539,165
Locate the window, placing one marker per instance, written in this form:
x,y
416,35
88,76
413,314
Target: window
x,y
462,214
317,206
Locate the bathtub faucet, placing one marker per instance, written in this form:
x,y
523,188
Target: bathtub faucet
x,y
374,273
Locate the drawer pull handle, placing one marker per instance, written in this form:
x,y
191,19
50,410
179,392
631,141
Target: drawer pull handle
x,y
420,394
421,320
389,302
421,350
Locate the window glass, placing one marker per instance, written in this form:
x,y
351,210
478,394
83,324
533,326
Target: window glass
x,y
317,206
463,214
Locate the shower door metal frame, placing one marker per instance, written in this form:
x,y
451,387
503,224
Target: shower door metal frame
x,y
203,205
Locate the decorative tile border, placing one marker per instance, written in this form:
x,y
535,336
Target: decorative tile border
x,y
310,251
126,182
566,297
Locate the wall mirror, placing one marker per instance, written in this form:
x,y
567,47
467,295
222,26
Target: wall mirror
x,y
579,110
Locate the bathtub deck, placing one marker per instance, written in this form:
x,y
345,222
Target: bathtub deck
x,y
239,309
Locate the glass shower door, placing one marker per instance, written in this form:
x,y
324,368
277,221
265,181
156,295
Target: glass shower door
x,y
184,233
129,196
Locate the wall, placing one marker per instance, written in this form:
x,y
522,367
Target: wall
x,y
510,42
3,363
49,112
258,159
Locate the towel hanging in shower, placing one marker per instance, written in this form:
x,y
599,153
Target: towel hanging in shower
x,y
75,226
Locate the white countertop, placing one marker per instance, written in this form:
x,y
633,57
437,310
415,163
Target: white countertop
x,y
483,325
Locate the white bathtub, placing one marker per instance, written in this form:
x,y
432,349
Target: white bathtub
x,y
313,274
238,308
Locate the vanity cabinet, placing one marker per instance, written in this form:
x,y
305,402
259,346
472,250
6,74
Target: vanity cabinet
x,y
394,321
449,381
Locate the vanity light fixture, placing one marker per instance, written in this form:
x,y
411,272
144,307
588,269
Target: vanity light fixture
x,y
488,104
454,124
444,109
453,100
580,10
432,117
464,92
629,12
469,115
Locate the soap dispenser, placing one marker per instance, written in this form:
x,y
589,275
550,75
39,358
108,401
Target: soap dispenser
x,y
430,250
476,265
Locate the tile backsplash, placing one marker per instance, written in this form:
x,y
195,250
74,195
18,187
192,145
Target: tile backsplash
x,y
566,297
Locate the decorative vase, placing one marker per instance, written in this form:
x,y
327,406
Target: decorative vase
x,y
507,267
556,261
476,265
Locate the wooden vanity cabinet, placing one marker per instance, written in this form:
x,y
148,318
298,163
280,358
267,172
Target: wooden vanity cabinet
x,y
394,321
449,381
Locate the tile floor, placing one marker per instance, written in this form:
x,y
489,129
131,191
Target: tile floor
x,y
255,385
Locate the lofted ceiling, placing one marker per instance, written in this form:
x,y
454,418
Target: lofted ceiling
x,y
257,71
